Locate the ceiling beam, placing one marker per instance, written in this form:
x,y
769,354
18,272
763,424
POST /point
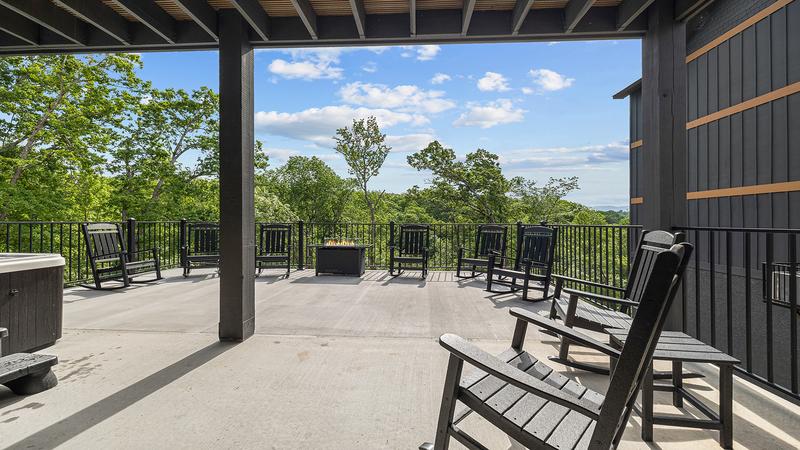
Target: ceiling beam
x,y
574,12
255,15
308,16
202,14
100,16
521,9
150,14
18,26
466,15
360,16
629,10
47,15
686,9
412,16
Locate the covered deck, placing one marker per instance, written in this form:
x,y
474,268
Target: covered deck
x,y
335,362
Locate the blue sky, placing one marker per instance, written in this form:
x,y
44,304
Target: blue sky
x,y
545,108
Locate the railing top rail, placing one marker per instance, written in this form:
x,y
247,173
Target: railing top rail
x,y
577,225
739,229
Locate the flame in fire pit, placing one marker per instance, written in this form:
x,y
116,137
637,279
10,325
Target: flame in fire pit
x,y
344,242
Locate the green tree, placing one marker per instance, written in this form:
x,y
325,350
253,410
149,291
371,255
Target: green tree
x,y
476,185
313,190
364,149
58,117
168,124
543,203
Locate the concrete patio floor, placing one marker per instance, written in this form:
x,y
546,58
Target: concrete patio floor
x,y
336,363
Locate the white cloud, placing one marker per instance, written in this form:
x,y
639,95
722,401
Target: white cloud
x,y
370,67
305,70
588,155
527,91
409,142
493,81
440,78
406,98
490,114
421,52
549,80
280,154
318,125
309,64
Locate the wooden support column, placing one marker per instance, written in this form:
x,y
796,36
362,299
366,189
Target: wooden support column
x,y
237,216
664,95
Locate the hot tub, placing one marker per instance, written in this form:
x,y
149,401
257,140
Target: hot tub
x,y
31,300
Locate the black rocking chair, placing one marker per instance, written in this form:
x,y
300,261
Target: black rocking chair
x,y
199,245
597,312
109,260
412,248
534,262
489,240
274,247
541,408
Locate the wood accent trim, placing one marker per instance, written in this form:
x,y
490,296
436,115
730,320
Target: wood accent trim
x,y
752,20
752,103
771,188
637,200
636,144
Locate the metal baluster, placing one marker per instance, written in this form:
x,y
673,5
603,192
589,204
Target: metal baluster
x,y
728,293
747,303
712,274
793,308
767,280
697,320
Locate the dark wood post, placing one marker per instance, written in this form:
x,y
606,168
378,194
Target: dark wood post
x,y
132,244
301,245
237,215
664,98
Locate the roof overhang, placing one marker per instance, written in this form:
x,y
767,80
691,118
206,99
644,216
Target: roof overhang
x,y
83,26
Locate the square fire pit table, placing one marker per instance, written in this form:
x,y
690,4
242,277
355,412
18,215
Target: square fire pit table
x,y
340,257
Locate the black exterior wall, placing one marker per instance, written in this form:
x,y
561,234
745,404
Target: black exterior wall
x,y
754,146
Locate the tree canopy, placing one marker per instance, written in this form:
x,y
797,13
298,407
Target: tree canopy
x,y
84,138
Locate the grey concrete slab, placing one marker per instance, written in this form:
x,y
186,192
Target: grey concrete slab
x,y
336,363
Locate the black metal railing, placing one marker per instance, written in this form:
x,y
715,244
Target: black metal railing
x,y
740,294
593,252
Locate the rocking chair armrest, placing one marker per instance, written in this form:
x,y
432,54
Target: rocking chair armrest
x,y
562,330
153,250
562,278
3,332
600,297
471,354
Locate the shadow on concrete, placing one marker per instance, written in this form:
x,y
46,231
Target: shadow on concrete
x,y
69,427
409,278
327,279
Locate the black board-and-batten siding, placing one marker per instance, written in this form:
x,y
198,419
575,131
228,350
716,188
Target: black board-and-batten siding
x,y
752,147
756,146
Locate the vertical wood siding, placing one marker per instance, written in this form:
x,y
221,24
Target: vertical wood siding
x,y
636,134
757,146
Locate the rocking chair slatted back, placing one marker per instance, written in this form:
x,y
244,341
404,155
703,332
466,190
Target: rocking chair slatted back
x,y
414,239
650,245
661,277
537,245
203,238
103,240
490,239
275,239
